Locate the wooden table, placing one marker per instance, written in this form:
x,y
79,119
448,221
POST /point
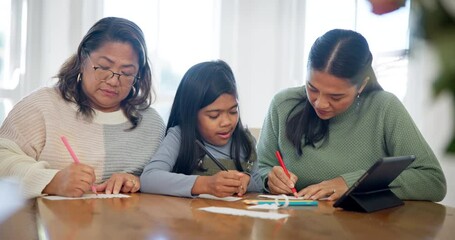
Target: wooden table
x,y
147,216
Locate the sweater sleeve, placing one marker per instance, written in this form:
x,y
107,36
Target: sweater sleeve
x,y
22,138
268,143
423,179
255,184
158,177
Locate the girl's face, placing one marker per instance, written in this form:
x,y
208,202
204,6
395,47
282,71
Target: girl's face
x,y
105,92
330,95
217,121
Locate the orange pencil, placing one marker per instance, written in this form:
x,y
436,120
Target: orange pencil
x,y
278,155
73,155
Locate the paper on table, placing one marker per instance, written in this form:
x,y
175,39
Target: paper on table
x,y
241,212
264,206
228,199
87,196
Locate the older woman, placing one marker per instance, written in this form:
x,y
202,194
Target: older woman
x,y
101,104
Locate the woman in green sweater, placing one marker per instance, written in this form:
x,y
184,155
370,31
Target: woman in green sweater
x,y
334,128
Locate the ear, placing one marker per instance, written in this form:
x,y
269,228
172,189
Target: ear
x,y
364,84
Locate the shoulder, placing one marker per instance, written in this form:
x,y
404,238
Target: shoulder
x,y
42,94
383,100
289,94
173,137
151,116
382,96
43,98
382,105
151,113
286,100
176,131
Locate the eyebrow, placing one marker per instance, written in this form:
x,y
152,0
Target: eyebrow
x,y
219,110
333,94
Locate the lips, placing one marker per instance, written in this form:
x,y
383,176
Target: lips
x,y
322,112
224,135
109,92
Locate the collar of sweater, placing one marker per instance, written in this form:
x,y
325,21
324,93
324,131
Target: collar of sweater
x,y
116,117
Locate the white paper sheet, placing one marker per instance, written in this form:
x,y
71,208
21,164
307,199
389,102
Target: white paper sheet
x,y
228,199
241,212
271,206
87,196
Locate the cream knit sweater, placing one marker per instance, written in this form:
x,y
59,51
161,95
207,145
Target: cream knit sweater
x,y
31,149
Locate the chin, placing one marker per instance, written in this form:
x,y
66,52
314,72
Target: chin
x,y
221,142
325,117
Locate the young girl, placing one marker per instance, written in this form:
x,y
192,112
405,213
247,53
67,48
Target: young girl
x,y
205,109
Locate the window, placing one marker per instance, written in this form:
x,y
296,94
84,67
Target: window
x,y
387,35
12,45
179,33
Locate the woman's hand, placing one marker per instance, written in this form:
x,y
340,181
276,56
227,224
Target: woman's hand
x,y
72,181
222,184
331,189
120,182
279,183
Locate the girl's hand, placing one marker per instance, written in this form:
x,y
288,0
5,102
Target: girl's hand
x,y
72,181
120,182
245,179
279,183
330,189
222,184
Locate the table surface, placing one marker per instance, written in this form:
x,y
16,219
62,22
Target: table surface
x,y
148,216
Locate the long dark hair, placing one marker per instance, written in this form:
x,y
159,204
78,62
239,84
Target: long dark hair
x,y
110,29
201,85
344,54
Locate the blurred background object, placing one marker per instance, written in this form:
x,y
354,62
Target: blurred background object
x,y
434,22
11,199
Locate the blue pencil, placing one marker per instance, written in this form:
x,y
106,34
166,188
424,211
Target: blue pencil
x,y
282,202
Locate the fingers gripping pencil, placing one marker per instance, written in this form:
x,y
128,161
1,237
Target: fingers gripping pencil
x,y
278,155
73,155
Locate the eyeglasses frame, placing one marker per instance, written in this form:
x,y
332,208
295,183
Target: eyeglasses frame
x,y
136,78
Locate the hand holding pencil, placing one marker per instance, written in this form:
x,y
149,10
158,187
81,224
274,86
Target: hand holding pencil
x,y
73,180
280,180
75,159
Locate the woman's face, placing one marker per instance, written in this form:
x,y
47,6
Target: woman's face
x,y
106,93
329,95
217,121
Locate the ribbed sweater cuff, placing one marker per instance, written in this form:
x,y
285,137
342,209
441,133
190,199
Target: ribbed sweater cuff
x,y
351,177
33,187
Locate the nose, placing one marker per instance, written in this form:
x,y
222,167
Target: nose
x,y
226,120
114,80
321,102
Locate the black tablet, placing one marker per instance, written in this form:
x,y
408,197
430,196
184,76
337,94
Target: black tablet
x,y
371,191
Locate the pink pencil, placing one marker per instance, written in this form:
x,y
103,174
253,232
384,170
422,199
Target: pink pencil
x,y
73,155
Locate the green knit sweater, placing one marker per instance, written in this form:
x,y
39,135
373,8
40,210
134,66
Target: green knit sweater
x,y
378,126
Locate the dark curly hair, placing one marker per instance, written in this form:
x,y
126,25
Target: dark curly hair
x,y
109,29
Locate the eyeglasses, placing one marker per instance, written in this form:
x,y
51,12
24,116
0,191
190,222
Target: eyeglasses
x,y
102,74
